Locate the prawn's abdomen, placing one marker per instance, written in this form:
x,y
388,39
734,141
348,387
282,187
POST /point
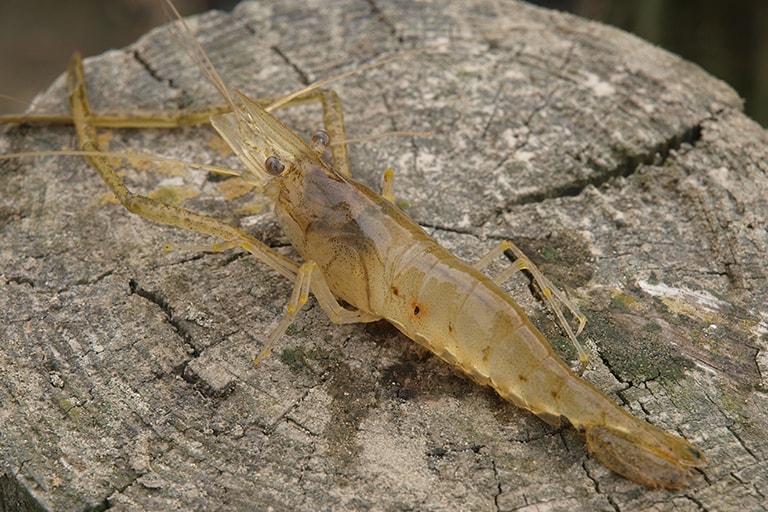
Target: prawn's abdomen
x,y
465,319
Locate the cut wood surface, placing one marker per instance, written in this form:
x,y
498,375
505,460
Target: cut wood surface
x,y
630,176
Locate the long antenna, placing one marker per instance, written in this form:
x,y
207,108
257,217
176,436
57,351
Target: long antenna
x,y
201,58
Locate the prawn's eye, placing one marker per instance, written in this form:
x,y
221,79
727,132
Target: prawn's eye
x,y
274,166
320,140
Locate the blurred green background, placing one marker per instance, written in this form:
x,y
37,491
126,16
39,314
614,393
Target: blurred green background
x,y
729,39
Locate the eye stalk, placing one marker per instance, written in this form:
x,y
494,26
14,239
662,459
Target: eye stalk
x,y
274,166
320,140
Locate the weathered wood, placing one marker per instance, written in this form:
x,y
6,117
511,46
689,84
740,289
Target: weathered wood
x,y
631,176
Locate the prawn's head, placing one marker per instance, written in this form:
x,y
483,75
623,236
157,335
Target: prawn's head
x,y
268,149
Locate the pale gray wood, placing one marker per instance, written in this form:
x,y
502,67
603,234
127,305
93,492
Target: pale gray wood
x,y
630,175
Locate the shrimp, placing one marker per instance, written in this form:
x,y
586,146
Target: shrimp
x,y
371,255
358,247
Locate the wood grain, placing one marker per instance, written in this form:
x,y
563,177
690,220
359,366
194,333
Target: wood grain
x,y
631,176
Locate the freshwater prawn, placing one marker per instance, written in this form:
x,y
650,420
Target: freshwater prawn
x,y
359,248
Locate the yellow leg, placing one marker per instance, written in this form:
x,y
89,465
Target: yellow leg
x,y
548,290
306,277
150,208
333,118
310,278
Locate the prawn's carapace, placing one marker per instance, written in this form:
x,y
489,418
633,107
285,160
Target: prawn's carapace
x,y
359,247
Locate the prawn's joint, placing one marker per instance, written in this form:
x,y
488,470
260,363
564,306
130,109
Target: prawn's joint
x,y
320,140
274,166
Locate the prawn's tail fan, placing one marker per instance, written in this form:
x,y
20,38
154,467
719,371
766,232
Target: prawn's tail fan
x,y
644,454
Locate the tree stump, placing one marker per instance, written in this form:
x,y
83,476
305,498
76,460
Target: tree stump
x,y
630,176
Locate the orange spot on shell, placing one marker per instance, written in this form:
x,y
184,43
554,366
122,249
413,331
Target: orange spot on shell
x,y
417,311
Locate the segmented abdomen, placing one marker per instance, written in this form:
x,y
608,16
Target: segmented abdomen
x,y
463,317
